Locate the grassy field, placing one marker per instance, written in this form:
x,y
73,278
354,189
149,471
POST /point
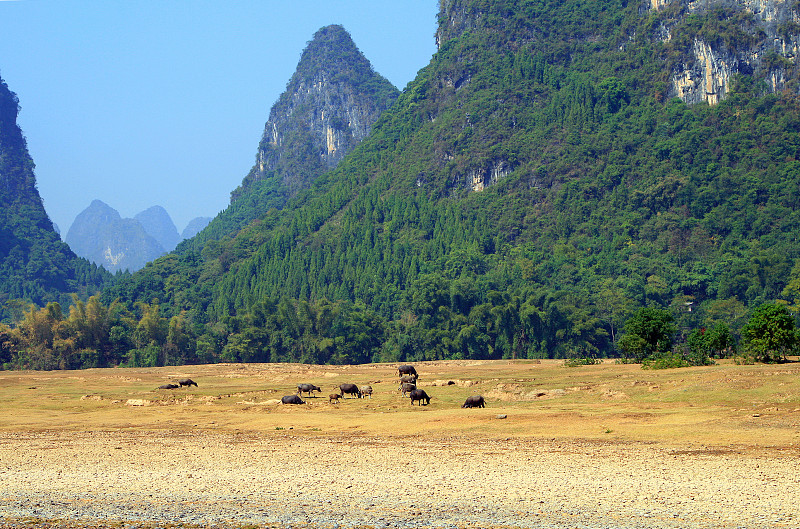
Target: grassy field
x,y
726,405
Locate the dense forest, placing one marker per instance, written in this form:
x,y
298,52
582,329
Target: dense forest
x,y
529,193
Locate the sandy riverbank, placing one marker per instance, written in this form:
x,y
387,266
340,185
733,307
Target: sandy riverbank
x,y
162,478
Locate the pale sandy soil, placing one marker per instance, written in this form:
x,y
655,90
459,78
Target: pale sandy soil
x,y
164,478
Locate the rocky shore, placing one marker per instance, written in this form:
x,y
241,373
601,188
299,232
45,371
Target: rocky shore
x,y
285,480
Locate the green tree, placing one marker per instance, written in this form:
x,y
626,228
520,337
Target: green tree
x,y
770,333
7,347
648,332
699,348
720,340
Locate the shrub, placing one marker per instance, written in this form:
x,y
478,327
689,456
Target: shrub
x,y
585,361
665,361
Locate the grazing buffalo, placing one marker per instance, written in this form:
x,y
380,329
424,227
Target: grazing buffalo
x,y
419,395
406,370
406,387
292,399
187,382
350,389
475,401
168,386
366,391
411,379
307,388
334,398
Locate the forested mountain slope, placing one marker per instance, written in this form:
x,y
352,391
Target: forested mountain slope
x,y
329,106
35,266
536,183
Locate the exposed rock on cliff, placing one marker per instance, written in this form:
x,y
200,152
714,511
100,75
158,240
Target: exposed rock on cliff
x,y
729,37
329,106
456,17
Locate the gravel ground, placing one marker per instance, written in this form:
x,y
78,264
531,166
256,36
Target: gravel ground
x,y
178,479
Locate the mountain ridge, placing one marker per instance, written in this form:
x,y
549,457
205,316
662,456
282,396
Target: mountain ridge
x,y
101,235
531,188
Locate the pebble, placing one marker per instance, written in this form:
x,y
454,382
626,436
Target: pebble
x,y
403,483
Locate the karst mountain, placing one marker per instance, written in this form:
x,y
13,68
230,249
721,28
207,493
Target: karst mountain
x,y
330,104
556,165
35,266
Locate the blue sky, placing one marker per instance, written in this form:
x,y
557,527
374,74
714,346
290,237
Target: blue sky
x,y
163,102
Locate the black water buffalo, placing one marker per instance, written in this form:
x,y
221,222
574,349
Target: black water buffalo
x,y
406,387
412,379
350,389
187,382
475,401
365,391
419,395
406,370
307,388
292,399
169,386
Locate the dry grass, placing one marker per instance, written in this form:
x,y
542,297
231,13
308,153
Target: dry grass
x,y
725,405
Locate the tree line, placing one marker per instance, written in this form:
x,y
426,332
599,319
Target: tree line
x,y
434,326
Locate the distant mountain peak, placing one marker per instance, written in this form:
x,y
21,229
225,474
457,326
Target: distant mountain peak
x,y
157,223
101,235
194,227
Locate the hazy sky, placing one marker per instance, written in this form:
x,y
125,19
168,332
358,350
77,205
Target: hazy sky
x,y
163,102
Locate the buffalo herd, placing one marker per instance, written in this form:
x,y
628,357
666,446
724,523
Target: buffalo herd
x,y
408,387
179,384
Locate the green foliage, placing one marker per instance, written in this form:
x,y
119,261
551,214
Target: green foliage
x,y
770,334
526,195
666,360
648,333
582,361
704,344
35,266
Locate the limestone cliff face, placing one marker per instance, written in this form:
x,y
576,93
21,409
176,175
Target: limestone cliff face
x,y
761,39
725,38
329,106
456,17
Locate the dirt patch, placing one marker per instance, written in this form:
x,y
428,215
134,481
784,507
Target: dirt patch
x,y
457,383
519,392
